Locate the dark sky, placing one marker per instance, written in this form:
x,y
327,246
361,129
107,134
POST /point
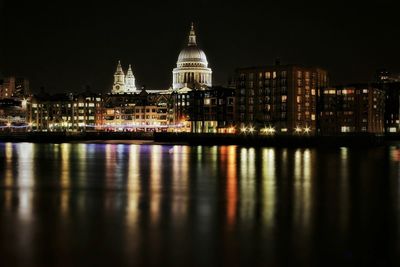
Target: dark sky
x,y
65,45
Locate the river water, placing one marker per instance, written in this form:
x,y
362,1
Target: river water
x,y
174,205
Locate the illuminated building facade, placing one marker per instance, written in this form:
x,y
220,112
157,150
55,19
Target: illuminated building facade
x,y
192,66
12,115
352,109
392,106
283,97
14,87
123,84
210,110
88,112
137,112
64,112
384,76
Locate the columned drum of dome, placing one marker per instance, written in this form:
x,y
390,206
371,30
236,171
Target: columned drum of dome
x,y
192,66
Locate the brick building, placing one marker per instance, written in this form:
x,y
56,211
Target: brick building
x,y
280,96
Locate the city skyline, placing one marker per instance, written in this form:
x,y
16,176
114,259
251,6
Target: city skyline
x,y
88,39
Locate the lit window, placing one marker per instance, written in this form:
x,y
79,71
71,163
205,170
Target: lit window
x,y
345,129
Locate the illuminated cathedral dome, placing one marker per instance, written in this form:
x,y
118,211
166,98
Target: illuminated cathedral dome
x,y
192,56
192,66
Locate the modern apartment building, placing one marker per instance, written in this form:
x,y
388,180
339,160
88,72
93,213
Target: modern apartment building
x,y
283,97
352,109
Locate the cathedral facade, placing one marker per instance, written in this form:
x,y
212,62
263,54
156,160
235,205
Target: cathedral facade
x,y
192,69
123,84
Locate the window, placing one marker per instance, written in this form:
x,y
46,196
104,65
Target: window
x,y
345,129
299,74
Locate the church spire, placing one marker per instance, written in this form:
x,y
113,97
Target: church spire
x,y
119,80
192,36
119,70
130,72
130,85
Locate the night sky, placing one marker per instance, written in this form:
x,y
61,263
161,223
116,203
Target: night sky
x,y
68,45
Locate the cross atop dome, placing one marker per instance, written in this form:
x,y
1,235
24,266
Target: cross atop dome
x,y
192,36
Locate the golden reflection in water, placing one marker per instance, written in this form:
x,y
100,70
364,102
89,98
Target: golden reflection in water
x,y
302,187
231,188
65,177
284,167
247,183
82,163
344,188
199,153
214,158
155,182
269,185
133,184
25,152
81,177
110,163
8,178
180,180
222,155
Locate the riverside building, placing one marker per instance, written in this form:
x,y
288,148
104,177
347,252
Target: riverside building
x,y
352,109
208,110
64,112
281,98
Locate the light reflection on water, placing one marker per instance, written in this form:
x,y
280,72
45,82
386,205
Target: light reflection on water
x,y
179,205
